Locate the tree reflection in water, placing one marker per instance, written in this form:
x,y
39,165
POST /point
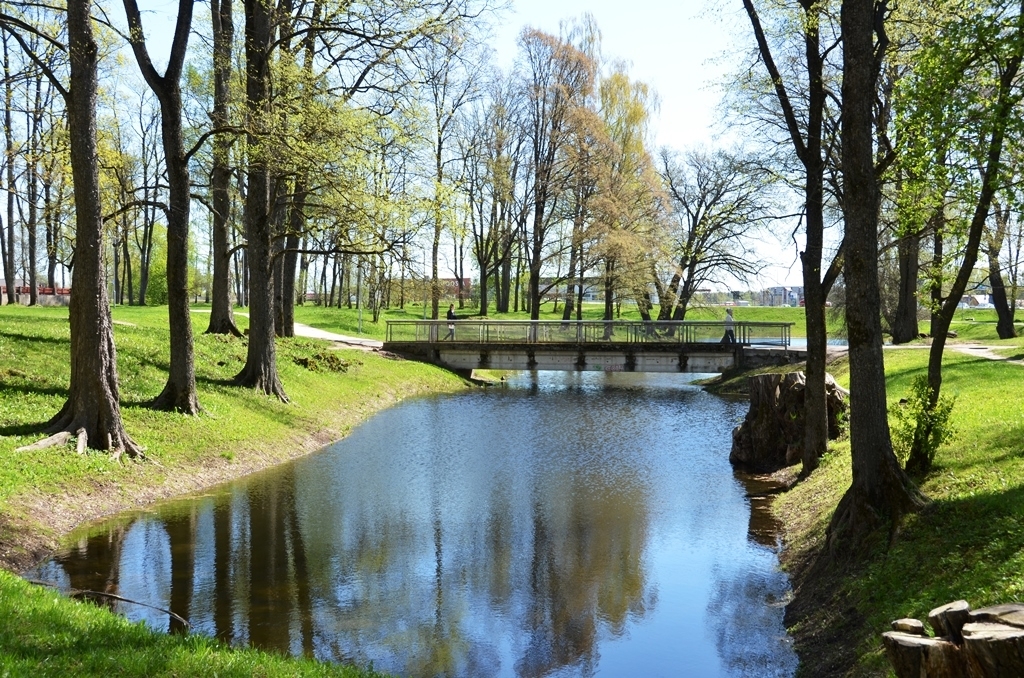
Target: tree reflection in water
x,y
505,550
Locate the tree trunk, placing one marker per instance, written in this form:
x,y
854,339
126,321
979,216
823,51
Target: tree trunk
x,y
919,459
9,151
994,247
904,327
93,395
222,317
880,493
260,371
179,393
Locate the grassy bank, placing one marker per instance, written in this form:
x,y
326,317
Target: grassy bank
x,y
44,494
969,544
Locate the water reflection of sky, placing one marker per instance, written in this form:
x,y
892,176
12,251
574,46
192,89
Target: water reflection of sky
x,y
567,525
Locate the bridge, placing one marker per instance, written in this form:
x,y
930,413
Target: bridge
x,y
594,345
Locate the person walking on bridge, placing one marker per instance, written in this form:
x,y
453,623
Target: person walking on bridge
x,y
451,322
730,327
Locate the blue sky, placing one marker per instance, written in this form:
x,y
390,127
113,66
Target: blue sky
x,y
682,48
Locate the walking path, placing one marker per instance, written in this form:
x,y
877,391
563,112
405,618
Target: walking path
x,y
313,333
975,350
355,342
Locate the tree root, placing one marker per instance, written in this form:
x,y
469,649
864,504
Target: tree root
x,y
60,438
64,427
175,399
860,515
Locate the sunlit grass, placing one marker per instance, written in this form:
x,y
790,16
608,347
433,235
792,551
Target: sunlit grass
x,y
970,544
44,634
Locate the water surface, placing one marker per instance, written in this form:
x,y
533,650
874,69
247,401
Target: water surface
x,y
569,524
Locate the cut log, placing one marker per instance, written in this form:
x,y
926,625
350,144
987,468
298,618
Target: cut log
x,y
83,440
914,656
993,650
948,619
1011,614
912,626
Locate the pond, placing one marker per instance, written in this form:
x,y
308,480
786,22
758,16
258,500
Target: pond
x,y
566,524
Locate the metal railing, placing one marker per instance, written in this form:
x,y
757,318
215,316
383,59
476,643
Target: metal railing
x,y
578,332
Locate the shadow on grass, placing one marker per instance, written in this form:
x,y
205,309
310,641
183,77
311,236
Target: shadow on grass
x,y
8,387
969,547
36,338
24,429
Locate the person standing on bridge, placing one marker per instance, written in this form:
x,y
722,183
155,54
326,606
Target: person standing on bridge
x,y
730,327
451,322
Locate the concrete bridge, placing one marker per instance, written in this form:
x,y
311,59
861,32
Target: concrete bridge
x,y
597,345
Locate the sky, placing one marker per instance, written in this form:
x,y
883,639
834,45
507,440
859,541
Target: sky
x,y
681,48
684,49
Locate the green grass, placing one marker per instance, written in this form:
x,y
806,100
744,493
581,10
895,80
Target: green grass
x,y
45,634
241,430
969,545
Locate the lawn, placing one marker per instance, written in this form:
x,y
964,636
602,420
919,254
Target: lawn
x,y
969,544
44,494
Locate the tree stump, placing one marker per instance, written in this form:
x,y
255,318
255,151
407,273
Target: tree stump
x,y
948,619
914,656
1011,614
993,650
772,434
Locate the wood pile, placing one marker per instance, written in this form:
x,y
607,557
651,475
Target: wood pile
x,y
983,643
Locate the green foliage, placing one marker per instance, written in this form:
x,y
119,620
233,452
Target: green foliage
x,y
915,425
969,544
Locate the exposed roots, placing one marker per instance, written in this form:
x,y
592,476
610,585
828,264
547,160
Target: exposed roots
x,y
861,515
265,381
223,326
59,438
106,435
175,399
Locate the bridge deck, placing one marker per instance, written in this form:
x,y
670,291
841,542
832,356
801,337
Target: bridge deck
x,y
674,346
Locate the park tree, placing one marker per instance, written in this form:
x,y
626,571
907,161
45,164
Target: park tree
x,y
179,393
1003,248
559,77
222,320
977,51
625,204
880,492
803,102
717,201
92,411
493,152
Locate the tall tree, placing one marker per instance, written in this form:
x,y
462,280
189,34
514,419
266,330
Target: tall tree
x,y
179,393
807,134
260,370
880,492
222,320
977,51
92,409
716,202
559,79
